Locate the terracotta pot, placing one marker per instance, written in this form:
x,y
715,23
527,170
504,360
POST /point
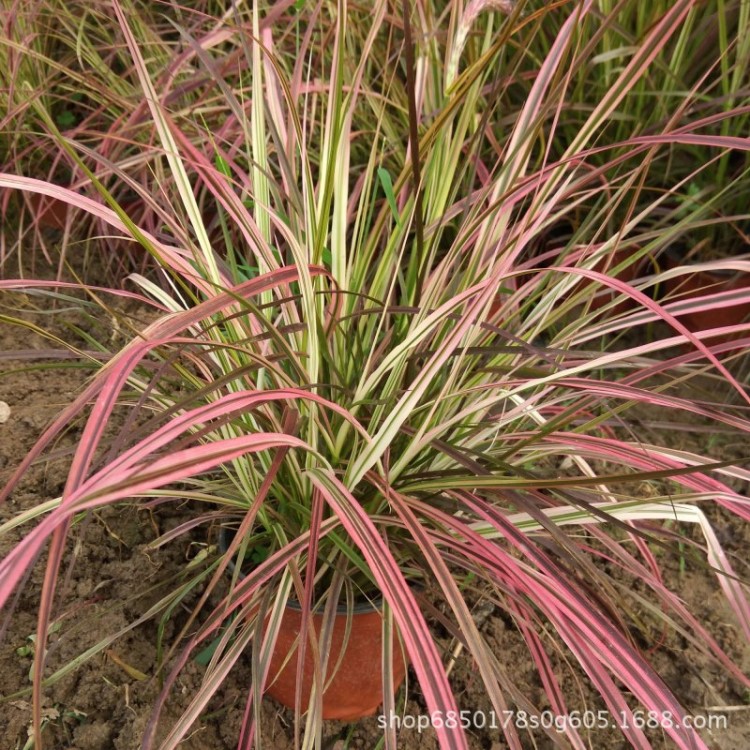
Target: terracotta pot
x,y
50,212
600,295
53,214
355,688
701,283
604,295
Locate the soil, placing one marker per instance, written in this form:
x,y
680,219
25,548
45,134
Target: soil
x,y
106,702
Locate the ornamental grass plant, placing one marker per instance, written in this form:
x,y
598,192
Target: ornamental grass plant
x,y
373,354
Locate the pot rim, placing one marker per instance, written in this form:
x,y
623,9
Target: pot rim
x,y
676,259
226,533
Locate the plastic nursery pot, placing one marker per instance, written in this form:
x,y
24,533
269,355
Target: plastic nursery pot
x,y
598,294
602,295
354,679
700,283
49,212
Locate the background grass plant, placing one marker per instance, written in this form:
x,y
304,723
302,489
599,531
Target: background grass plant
x,y
375,239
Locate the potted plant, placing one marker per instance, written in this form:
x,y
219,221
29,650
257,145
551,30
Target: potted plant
x,y
341,390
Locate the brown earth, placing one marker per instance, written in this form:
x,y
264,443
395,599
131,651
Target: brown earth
x,y
105,703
